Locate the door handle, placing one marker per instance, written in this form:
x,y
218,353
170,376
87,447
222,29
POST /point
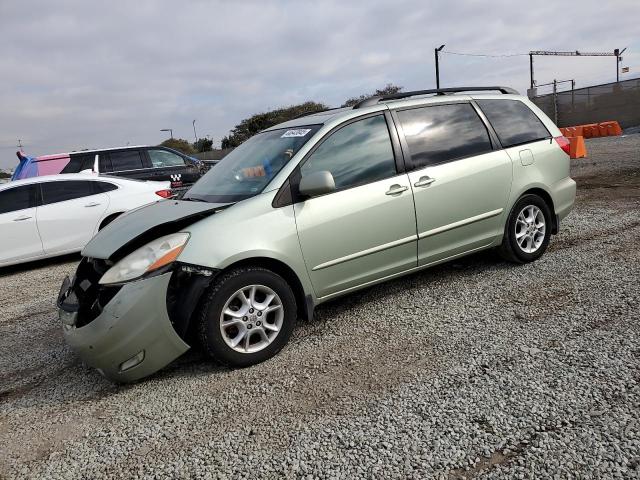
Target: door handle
x,y
93,204
396,189
424,181
20,219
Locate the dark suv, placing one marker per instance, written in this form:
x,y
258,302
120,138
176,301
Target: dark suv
x,y
141,162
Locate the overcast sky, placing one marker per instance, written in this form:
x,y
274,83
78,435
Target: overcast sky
x,y
85,74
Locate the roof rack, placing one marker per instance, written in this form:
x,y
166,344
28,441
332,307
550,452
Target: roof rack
x,y
367,102
306,114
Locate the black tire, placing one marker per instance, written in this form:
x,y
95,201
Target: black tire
x,y
209,332
510,249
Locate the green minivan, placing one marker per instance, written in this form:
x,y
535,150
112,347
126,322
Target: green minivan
x,y
310,210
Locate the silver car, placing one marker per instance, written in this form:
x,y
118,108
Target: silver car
x,y
310,210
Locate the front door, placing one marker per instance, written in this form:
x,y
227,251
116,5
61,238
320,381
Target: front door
x,y
171,167
461,184
365,230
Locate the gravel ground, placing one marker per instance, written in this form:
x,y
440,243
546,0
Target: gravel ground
x,y
473,369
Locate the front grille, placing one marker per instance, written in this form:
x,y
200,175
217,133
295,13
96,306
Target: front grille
x,y
92,297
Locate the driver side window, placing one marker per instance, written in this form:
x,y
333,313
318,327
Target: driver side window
x,y
162,158
357,154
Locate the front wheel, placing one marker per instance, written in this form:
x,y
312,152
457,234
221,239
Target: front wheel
x,y
527,231
247,317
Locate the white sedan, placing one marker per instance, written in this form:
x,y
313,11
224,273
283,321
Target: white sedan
x,y
58,214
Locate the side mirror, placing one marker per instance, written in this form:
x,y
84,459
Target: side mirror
x,y
317,183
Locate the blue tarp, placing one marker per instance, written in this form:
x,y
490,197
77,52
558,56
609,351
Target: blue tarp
x,y
26,168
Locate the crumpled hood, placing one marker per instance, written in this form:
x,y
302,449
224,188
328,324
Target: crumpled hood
x,y
142,225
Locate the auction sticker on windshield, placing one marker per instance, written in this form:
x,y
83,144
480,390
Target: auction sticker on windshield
x,y
299,132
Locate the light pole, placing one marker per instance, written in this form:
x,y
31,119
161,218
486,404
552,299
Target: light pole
x,y
194,131
170,130
436,51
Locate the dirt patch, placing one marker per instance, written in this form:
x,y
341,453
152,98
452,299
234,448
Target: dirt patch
x,y
37,442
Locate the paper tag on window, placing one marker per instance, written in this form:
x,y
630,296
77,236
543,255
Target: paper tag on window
x,y
299,132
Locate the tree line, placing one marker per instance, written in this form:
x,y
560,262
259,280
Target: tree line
x,y
259,121
182,145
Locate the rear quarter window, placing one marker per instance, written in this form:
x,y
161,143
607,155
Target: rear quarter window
x,y
79,162
103,187
513,121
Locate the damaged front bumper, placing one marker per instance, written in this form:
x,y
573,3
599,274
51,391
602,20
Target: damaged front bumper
x,y
126,332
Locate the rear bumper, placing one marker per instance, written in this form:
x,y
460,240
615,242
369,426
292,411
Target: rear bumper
x,y
564,196
133,327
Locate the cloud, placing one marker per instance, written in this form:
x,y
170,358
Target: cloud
x,y
77,74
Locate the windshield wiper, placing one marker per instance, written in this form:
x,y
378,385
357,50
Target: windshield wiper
x,y
193,199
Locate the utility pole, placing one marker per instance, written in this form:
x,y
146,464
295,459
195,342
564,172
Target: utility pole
x,y
555,101
194,131
20,144
531,68
617,52
436,51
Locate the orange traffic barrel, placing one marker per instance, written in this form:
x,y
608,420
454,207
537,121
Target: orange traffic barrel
x,y
577,148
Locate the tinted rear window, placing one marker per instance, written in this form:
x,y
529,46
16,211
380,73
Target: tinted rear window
x,y
513,121
443,133
17,198
129,160
104,164
60,191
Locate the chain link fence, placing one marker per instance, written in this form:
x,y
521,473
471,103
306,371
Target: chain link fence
x,y
612,101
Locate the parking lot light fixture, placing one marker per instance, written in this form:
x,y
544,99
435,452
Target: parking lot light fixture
x,y
170,130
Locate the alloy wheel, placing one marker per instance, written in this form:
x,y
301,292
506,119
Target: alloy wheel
x,y
251,318
530,229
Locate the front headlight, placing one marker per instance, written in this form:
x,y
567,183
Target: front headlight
x,y
152,256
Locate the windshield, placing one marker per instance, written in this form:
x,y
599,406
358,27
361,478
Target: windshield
x,y
248,169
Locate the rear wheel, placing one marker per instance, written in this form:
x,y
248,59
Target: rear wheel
x,y
247,317
527,231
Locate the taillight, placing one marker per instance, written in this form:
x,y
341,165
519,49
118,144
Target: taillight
x,y
564,143
164,193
